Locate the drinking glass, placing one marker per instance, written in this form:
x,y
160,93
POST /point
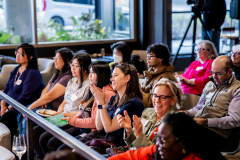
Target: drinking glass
x,y
19,145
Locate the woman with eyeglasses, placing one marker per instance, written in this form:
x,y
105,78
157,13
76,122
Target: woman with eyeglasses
x,y
99,75
77,91
125,83
166,98
179,137
25,84
236,60
195,77
53,94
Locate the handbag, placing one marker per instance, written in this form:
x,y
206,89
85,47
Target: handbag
x,y
102,143
116,150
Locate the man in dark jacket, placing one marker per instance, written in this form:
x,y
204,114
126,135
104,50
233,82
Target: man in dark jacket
x,y
213,18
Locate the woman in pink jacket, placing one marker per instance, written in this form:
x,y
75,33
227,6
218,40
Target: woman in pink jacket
x,y
99,75
194,79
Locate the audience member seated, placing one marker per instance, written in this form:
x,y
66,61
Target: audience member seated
x,y
165,95
236,60
195,77
218,107
121,54
99,75
25,84
178,138
63,155
158,57
77,91
125,82
53,94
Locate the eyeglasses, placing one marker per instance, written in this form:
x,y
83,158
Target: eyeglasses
x,y
161,97
17,53
56,58
201,49
216,73
150,56
162,141
76,67
235,53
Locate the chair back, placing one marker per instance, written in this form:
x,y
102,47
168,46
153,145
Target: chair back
x,y
190,101
142,54
46,67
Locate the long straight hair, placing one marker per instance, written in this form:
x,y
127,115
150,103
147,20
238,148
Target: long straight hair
x,y
132,88
67,56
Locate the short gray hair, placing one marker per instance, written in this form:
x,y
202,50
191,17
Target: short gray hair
x,y
210,46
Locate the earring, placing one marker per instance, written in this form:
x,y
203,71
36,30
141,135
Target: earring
x,y
183,151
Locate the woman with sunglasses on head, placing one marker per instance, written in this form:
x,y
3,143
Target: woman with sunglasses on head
x,y
125,82
179,137
195,77
235,56
165,97
77,91
99,76
20,84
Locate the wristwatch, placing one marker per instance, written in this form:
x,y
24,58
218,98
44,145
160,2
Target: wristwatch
x,y
101,106
188,82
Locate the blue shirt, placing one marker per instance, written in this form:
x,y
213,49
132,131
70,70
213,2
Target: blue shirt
x,y
30,88
133,106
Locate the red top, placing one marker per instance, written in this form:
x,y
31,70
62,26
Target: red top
x,y
200,73
144,153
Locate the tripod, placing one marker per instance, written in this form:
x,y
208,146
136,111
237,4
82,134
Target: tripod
x,y
196,15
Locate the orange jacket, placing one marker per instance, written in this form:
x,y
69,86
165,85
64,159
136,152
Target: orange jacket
x,y
144,153
90,122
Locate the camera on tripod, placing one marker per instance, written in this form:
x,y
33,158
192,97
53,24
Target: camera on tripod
x,y
198,5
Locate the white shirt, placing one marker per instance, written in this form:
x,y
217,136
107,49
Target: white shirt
x,y
74,95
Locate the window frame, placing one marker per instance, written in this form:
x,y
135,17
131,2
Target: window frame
x,y
133,32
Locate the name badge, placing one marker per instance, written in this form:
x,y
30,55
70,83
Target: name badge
x,y
73,97
199,68
19,81
144,121
117,110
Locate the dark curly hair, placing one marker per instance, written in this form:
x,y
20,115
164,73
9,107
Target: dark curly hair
x,y
191,135
160,51
124,48
29,50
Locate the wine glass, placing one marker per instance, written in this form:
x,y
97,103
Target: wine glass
x,y
19,145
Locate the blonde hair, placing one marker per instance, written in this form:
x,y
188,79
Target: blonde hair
x,y
210,46
236,48
174,88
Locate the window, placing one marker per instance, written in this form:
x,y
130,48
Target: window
x,y
181,15
65,21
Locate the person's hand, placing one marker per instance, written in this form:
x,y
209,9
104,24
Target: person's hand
x,y
10,107
182,111
65,118
201,121
3,109
98,94
124,122
137,126
44,106
54,114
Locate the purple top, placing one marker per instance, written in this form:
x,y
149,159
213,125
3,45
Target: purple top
x,y
63,80
230,121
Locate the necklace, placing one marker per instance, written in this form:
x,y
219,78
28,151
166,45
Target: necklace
x,y
20,72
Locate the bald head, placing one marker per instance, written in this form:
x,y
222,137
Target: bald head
x,y
223,62
222,69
